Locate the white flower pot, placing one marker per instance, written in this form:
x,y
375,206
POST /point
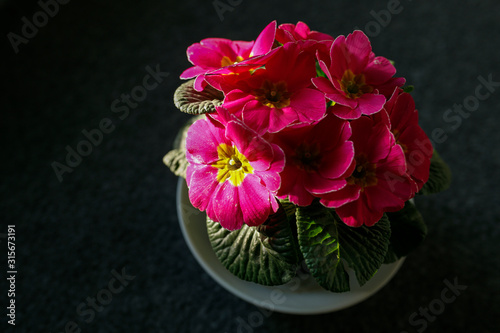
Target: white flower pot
x,y
302,295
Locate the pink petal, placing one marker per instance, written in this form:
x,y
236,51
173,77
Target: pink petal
x,y
361,134
403,112
340,98
341,197
199,83
325,69
357,213
359,49
345,112
387,88
395,161
254,201
381,198
284,33
271,177
192,72
324,85
292,186
378,71
309,104
236,100
202,140
371,103
335,163
281,118
381,143
204,57
265,40
262,118
339,57
202,183
225,207
318,184
258,151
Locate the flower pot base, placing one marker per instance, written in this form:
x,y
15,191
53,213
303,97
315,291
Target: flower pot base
x,y
302,295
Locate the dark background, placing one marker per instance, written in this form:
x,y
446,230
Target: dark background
x,y
116,209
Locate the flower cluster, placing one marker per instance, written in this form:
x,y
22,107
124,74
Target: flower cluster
x,y
305,116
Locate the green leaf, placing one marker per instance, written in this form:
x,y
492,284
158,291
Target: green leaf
x,y
177,162
319,243
267,254
188,100
408,230
326,243
364,248
408,89
439,177
319,71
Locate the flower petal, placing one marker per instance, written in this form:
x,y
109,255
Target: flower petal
x,y
254,201
202,183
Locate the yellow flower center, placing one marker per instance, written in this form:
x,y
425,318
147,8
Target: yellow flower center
x,y
226,61
232,165
273,95
364,173
354,85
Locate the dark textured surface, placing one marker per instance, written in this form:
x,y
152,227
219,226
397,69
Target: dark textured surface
x,y
117,208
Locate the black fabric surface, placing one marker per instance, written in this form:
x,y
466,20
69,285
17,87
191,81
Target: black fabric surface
x,y
116,209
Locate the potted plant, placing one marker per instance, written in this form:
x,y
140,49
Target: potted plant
x,y
306,149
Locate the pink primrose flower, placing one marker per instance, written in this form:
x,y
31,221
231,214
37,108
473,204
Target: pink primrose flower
x,y
214,53
276,96
288,32
233,172
400,115
356,80
378,183
317,159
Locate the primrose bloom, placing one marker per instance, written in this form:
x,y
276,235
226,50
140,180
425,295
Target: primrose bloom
x,y
378,183
402,118
288,32
356,80
309,41
318,159
278,95
214,53
233,173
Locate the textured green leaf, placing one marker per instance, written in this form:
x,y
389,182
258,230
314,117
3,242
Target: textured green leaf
x,y
176,158
267,254
408,230
188,100
364,248
326,243
439,177
177,162
319,243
